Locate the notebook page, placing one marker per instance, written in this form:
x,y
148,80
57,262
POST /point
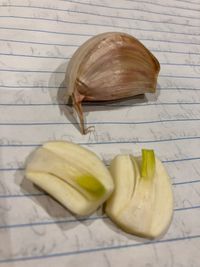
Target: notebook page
x,y
37,39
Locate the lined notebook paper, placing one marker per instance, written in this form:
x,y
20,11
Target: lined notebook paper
x,y
37,39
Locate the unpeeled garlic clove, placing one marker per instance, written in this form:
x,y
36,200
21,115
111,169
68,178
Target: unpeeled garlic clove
x,y
110,66
140,205
73,175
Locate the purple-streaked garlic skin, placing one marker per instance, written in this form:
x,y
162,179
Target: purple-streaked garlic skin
x,y
110,66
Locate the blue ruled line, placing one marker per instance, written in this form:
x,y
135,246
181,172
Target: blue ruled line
x,y
29,86
97,123
133,8
174,52
179,89
180,160
179,64
142,39
37,43
44,31
38,194
186,182
32,71
32,56
164,161
103,15
179,76
63,72
11,169
107,105
112,142
56,87
89,35
63,57
187,208
189,2
75,220
97,24
155,4
99,249
24,195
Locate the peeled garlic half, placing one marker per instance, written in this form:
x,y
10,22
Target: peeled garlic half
x,y
142,201
110,66
73,175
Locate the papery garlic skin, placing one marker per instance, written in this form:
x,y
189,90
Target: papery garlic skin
x,y
62,170
139,206
110,66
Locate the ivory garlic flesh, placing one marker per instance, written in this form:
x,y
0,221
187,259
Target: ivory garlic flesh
x,y
73,175
140,205
110,66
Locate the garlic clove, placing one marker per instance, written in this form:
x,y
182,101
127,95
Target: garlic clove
x,y
124,171
83,159
148,212
76,169
110,66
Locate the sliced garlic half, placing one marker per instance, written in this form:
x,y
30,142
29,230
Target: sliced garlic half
x,y
140,205
73,175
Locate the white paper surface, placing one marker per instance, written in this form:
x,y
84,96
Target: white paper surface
x,y
37,38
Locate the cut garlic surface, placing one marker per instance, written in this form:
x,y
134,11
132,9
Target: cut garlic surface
x,y
73,175
140,205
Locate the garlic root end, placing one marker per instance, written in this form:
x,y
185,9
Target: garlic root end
x,y
78,107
